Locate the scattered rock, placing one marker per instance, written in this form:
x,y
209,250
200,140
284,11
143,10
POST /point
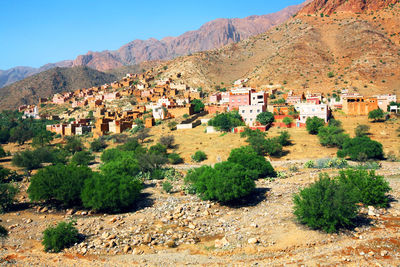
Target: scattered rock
x,y
219,243
147,238
384,253
252,240
127,248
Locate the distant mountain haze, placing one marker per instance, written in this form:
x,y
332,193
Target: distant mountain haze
x,y
213,34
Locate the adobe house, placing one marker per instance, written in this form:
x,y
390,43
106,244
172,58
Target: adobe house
x,y
180,111
359,105
118,126
213,109
149,122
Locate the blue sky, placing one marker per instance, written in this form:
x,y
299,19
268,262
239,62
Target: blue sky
x,y
33,33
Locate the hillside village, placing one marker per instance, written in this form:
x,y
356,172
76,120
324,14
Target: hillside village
x,y
258,167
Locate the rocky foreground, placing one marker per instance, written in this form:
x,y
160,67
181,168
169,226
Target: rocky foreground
x,y
180,229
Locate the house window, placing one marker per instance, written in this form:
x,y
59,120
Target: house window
x,y
251,111
242,111
258,111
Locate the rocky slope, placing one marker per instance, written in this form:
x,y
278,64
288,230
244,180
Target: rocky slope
x,y
213,34
361,50
328,7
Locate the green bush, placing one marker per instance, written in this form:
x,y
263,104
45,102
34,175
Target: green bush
x,y
111,155
98,145
33,159
174,158
376,115
167,187
284,138
264,146
198,105
225,182
82,158
42,138
59,237
369,188
74,144
172,125
332,136
226,121
313,124
328,163
7,194
361,130
326,204
111,193
287,121
361,149
252,162
63,183
265,118
199,156
309,164
2,152
158,149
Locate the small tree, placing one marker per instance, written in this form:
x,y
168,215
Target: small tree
x,y
361,148
284,138
287,121
82,158
376,115
361,130
327,205
2,152
74,144
98,145
111,193
172,125
226,121
225,182
265,118
332,136
59,237
143,134
313,124
199,156
167,141
7,194
63,183
174,158
42,138
254,163
198,106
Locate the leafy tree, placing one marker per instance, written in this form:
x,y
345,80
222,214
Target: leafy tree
x,y
132,145
369,188
225,182
126,165
174,158
376,115
361,148
42,138
98,145
249,132
112,193
265,146
33,159
20,134
198,106
199,156
63,183
326,204
332,136
335,123
7,194
313,124
158,149
82,158
111,155
226,121
74,144
253,162
265,118
167,141
361,130
287,121
59,237
283,138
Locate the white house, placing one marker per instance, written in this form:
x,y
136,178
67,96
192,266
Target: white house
x,y
249,113
308,110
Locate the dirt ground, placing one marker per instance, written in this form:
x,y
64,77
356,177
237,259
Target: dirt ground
x,y
261,231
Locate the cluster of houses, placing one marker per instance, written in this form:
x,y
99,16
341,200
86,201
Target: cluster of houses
x,y
152,99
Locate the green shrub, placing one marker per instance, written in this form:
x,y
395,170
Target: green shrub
x,y
265,118
7,194
82,158
283,138
326,204
3,232
172,125
167,187
63,183
2,152
158,149
98,145
198,105
111,193
33,159
287,121
361,149
369,188
255,164
111,155
309,164
376,115
199,156
332,136
59,237
328,163
264,146
167,141
313,124
226,121
174,158
225,182
74,144
361,130
42,138
126,165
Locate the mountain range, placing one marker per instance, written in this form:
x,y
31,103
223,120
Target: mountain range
x,y
213,34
